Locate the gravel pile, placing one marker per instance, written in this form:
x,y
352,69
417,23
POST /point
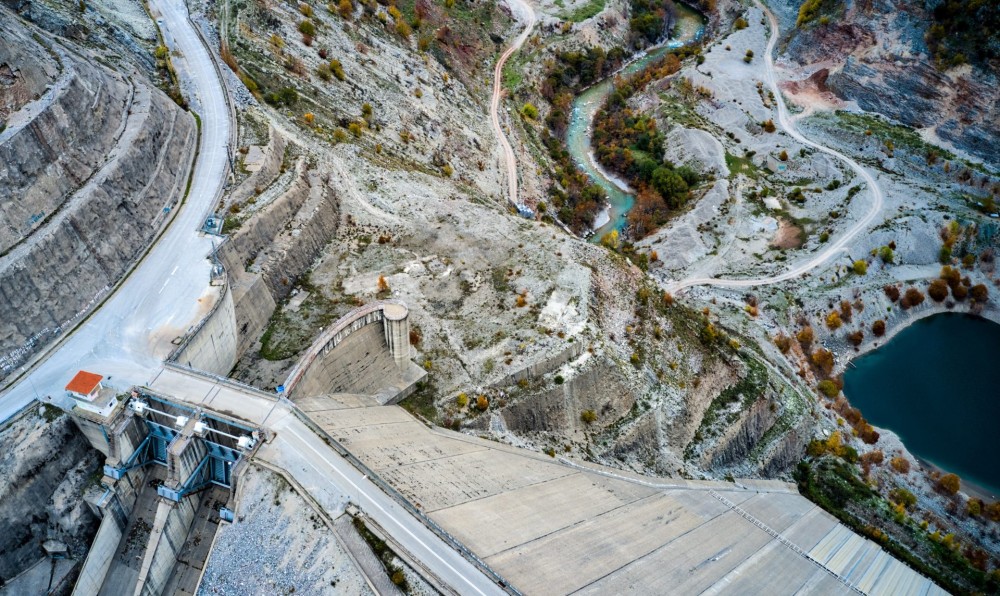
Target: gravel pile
x,y
277,545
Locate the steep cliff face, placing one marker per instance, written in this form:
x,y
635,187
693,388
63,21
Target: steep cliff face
x,y
46,467
877,55
91,170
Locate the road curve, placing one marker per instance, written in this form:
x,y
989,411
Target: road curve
x,y
129,336
831,251
522,11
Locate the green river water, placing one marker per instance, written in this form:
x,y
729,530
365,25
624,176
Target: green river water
x,y
689,28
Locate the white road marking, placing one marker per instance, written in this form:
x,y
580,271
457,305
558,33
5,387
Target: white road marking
x,y
380,508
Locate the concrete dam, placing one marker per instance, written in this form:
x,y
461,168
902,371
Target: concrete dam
x,y
168,467
175,451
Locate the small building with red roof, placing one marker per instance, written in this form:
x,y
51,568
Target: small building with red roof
x,y
89,394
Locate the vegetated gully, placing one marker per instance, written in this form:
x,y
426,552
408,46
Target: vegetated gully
x,y
689,28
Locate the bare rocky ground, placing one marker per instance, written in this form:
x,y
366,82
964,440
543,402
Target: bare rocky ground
x,y
546,327
48,468
278,544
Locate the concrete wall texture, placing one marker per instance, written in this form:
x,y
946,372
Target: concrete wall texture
x,y
102,551
170,529
366,350
215,346
262,261
88,170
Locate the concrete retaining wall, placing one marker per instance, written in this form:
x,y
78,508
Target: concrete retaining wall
x,y
262,262
102,551
214,346
170,530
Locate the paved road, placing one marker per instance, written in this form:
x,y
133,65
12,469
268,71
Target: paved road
x,y
130,335
328,477
834,249
520,10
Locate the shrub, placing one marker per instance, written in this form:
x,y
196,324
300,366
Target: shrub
x,y
886,254
979,293
740,23
382,286
528,110
823,359
768,125
993,511
949,484
307,28
900,464
805,337
346,9
305,9
960,293
856,337
355,129
482,403
783,342
323,72
462,400
860,267
974,507
912,297
833,320
892,292
828,388
588,416
878,328
337,69
938,290
558,380
783,156
902,497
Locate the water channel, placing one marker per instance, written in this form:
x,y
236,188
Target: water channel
x,y
937,385
689,28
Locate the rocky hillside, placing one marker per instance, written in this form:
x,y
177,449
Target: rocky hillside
x,y
46,468
93,163
878,54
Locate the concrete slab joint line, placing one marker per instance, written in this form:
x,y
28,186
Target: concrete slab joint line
x,y
406,504
794,548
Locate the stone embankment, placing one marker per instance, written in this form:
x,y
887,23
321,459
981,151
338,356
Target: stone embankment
x,y
273,247
92,168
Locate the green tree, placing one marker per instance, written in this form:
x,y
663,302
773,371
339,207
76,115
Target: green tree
x,y
670,185
861,267
529,111
337,69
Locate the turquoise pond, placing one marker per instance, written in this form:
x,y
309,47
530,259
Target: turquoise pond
x,y
937,385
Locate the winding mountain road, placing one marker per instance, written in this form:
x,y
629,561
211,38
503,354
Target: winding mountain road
x,y
128,337
837,247
523,12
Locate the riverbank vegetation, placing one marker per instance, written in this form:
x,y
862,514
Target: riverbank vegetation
x,y
576,199
628,143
